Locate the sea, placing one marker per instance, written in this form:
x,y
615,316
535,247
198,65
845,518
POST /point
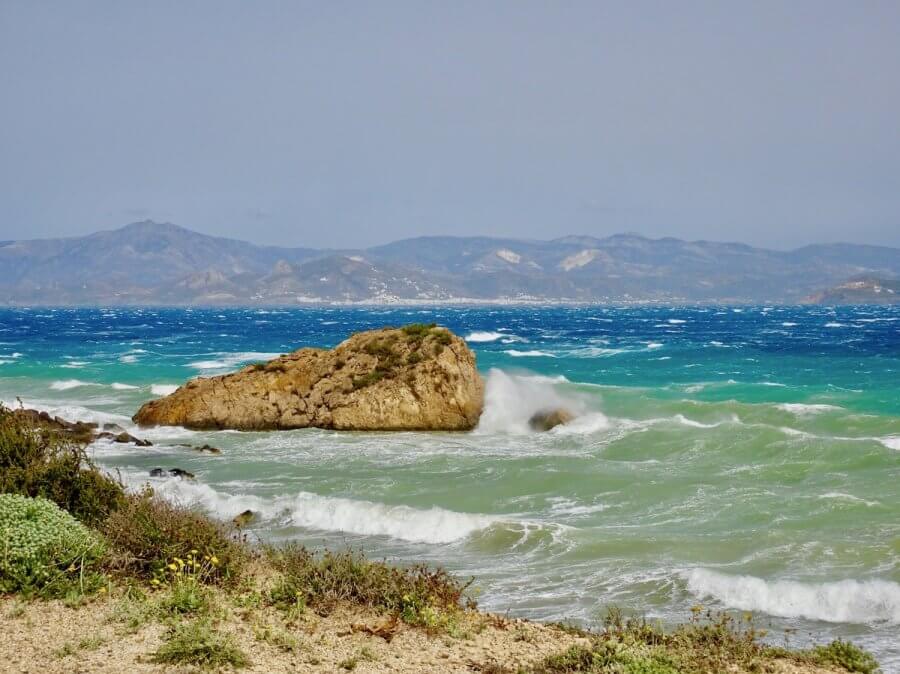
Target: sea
x,y
740,458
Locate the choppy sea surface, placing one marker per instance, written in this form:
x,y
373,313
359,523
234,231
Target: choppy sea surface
x,y
742,458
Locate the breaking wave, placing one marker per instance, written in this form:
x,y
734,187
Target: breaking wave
x,y
329,513
163,389
844,601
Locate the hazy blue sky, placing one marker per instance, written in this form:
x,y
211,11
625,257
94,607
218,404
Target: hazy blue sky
x,y
354,123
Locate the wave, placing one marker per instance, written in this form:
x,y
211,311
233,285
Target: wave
x,y
891,442
528,354
511,400
803,409
844,601
330,513
231,359
123,387
684,421
676,321
483,336
841,496
654,345
65,385
163,389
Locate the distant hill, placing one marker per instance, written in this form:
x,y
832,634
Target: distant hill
x,y
861,291
163,264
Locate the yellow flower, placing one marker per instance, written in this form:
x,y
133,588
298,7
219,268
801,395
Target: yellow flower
x,y
194,552
155,581
102,590
214,560
173,567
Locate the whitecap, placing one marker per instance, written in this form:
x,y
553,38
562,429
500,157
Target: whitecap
x,y
844,601
123,387
528,354
330,513
834,325
129,358
788,324
841,496
891,442
802,409
654,345
65,385
676,321
163,389
230,360
484,336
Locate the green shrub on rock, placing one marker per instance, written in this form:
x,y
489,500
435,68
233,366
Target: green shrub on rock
x,y
43,549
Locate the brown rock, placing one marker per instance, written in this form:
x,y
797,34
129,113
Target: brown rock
x,y
547,419
413,378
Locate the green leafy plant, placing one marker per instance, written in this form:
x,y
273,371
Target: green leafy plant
x,y
45,550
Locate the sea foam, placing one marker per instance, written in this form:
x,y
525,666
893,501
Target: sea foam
x,y
844,601
163,389
329,513
483,336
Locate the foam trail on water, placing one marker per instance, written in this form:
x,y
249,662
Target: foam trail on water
x,y
844,601
329,513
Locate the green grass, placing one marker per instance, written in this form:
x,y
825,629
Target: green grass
x,y
197,643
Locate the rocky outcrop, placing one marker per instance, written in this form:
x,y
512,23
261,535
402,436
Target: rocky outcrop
x,y
419,377
544,420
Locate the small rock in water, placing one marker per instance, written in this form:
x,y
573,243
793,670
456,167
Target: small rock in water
x,y
208,448
544,420
113,428
244,518
125,438
174,472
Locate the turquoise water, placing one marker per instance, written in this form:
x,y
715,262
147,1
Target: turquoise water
x,y
745,458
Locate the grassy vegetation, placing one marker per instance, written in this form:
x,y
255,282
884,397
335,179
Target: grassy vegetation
x,y
419,342
198,643
708,644
36,462
419,595
147,533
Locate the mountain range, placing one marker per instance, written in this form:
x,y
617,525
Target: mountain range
x,y
148,263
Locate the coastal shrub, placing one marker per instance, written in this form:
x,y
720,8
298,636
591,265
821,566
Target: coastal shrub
x,y
43,549
368,379
420,595
846,655
418,329
147,533
37,463
197,643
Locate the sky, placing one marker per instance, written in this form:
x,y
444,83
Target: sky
x,y
338,124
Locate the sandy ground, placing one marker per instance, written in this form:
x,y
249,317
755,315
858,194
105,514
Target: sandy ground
x,y
33,639
50,638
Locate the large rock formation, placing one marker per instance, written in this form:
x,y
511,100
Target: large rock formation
x,y
419,377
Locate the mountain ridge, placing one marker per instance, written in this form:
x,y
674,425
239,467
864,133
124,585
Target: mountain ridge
x,y
166,264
